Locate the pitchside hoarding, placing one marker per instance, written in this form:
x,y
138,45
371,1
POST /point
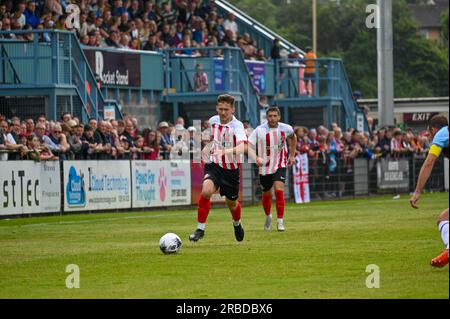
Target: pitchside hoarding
x,y
29,187
393,174
161,183
96,185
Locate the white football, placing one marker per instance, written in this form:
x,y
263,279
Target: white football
x,y
170,243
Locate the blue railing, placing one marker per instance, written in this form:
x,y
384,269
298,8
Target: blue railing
x,y
52,59
225,69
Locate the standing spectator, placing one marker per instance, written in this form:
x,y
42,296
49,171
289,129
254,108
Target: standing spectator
x,y
57,142
151,146
166,143
201,79
3,12
275,52
310,70
19,16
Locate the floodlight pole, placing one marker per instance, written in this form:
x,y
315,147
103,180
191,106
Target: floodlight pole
x,y
385,63
314,25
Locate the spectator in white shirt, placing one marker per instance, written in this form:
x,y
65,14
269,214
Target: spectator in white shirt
x,y
230,24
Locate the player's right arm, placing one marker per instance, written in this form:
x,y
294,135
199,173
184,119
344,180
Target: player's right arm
x,y
439,142
424,174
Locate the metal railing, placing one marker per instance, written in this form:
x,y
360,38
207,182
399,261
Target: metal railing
x,y
52,59
225,68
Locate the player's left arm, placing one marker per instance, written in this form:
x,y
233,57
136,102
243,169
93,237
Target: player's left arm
x,y
424,174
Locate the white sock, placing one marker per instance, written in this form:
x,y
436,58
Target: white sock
x,y
280,220
201,226
443,228
236,222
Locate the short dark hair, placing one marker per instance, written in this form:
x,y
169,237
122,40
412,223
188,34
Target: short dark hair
x,y
438,121
273,109
226,98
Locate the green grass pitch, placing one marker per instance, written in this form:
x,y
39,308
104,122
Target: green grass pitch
x,y
323,253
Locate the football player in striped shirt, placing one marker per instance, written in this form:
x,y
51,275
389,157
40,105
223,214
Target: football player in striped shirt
x,y
268,145
222,157
438,128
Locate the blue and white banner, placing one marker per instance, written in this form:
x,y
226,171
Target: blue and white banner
x,y
28,187
161,183
96,185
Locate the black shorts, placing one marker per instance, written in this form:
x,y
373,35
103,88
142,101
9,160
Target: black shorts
x,y
267,181
226,180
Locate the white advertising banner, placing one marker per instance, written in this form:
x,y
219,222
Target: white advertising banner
x,y
180,183
161,183
29,187
96,185
301,179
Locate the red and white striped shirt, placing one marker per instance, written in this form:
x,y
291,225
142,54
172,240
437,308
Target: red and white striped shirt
x,y
270,144
225,137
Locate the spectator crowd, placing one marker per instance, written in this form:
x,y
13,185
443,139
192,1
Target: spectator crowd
x,y
41,139
69,139
151,25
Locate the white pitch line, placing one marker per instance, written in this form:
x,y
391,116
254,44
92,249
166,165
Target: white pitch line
x,y
100,220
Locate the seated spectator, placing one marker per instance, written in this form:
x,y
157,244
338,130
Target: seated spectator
x,y
201,83
30,14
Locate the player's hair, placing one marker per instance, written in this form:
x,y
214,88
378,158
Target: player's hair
x,y
273,109
226,98
438,121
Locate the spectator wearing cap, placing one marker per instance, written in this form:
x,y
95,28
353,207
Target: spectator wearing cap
x,y
180,149
166,144
193,143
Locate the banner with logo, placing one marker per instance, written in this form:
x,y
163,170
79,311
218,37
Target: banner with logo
x,y
96,185
115,68
258,73
300,172
29,187
161,183
393,173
